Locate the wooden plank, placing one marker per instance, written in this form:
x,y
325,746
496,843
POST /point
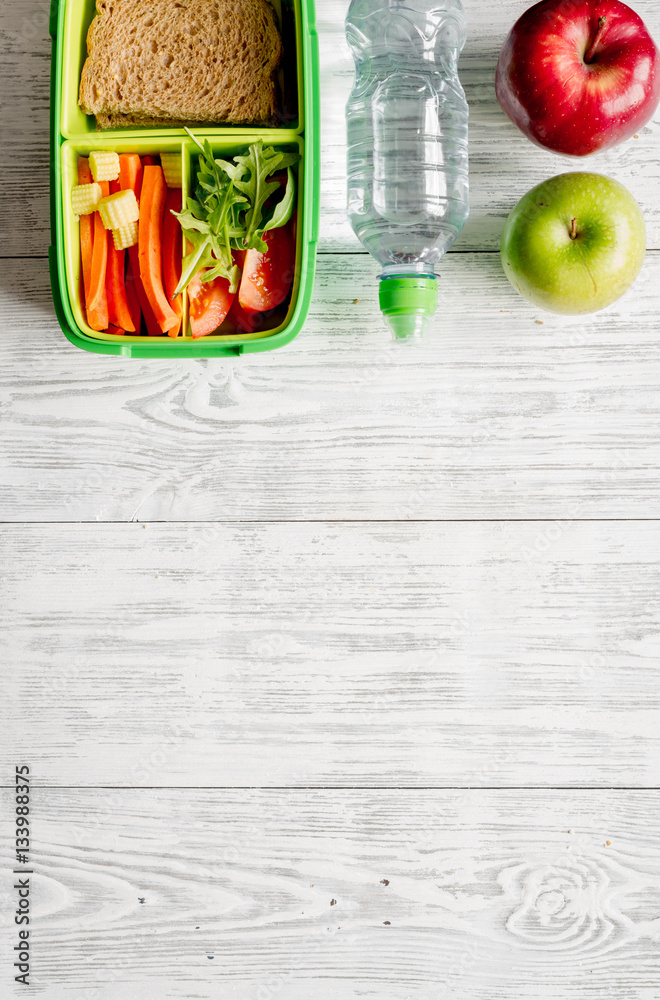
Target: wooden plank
x,y
504,164
187,893
24,151
503,411
334,654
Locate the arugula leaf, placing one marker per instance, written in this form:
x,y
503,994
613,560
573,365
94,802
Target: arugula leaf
x,y
208,223
228,211
249,175
283,209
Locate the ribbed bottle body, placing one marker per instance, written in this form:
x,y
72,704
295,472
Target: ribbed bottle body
x,y
407,123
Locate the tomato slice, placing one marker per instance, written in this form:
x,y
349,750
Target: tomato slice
x,y
267,277
209,303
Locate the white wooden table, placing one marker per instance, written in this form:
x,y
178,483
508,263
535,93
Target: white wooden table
x,y
337,668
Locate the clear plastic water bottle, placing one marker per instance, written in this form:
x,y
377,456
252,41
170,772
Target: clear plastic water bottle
x,y
407,119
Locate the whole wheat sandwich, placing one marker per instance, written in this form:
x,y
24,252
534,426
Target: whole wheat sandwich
x,y
174,62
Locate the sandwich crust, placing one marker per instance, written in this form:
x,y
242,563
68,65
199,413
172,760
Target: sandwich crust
x,y
156,62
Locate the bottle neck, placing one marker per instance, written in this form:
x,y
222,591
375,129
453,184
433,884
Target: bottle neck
x,y
416,270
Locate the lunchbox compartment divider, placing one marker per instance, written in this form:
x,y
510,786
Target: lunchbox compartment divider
x,y
70,150
75,19
225,146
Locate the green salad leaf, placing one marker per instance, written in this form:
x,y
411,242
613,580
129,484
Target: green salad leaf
x,y
249,175
229,210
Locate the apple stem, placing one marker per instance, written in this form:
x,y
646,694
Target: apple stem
x,y
573,232
589,54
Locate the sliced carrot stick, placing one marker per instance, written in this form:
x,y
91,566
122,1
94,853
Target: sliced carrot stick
x,y
173,254
150,231
86,230
153,328
132,299
84,171
130,178
130,173
86,247
97,306
118,310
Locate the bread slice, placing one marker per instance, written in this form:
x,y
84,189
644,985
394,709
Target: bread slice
x,y
159,62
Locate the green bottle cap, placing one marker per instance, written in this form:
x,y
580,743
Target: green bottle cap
x,y
407,302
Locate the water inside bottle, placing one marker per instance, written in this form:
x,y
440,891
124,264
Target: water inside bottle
x,y
407,131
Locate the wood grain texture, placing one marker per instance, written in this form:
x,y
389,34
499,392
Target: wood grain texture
x,y
503,412
334,654
243,649
503,163
489,895
24,119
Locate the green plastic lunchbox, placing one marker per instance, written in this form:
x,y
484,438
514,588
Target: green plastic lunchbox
x,y
74,134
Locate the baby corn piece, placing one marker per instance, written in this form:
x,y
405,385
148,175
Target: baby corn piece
x,y
119,210
85,198
104,165
125,237
171,164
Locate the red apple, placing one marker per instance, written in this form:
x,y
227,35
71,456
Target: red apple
x,y
578,76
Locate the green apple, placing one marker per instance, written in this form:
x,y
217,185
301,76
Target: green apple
x,y
575,243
